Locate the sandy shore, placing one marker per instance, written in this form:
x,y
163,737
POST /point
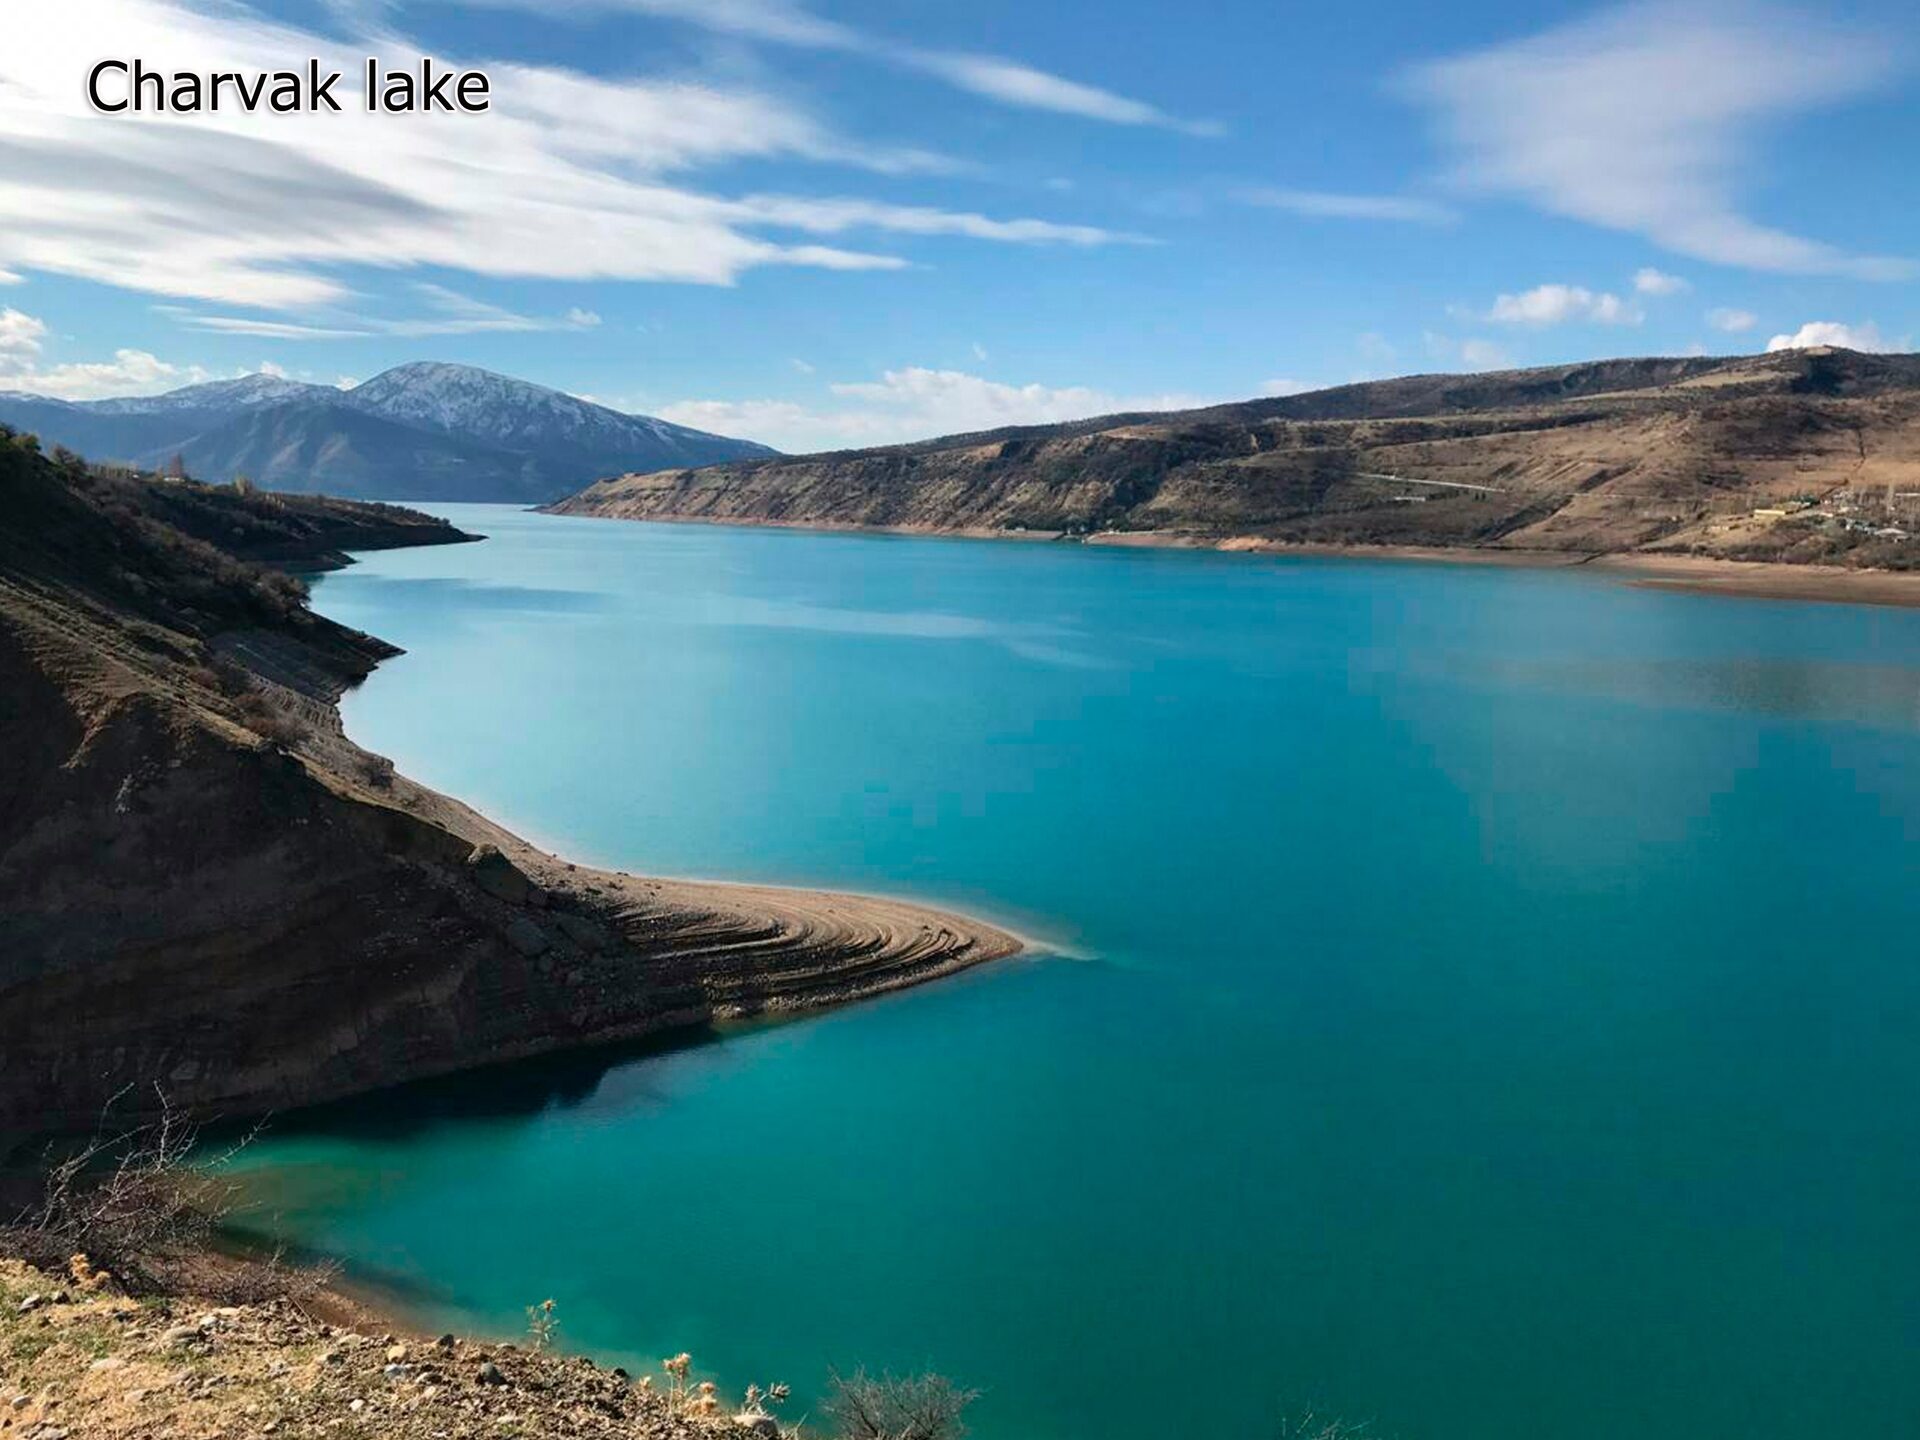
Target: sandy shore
x,y
1699,574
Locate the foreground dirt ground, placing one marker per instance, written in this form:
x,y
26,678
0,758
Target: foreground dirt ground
x,y
78,1362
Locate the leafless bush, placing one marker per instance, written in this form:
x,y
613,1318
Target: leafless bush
x,y
129,1202
260,713
913,1407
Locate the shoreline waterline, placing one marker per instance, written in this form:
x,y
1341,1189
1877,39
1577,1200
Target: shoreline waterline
x,y
1691,574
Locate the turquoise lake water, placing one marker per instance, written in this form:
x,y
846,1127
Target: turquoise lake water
x,y
1483,1002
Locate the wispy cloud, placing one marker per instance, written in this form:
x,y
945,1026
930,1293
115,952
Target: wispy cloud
x,y
1471,353
992,77
1732,322
1642,118
567,177
1649,281
913,403
452,314
1332,205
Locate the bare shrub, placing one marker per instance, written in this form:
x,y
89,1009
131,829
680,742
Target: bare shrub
x,y
542,1326
1309,1425
260,713
913,1407
130,1202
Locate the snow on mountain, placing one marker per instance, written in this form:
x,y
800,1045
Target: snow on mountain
x,y
454,432
466,400
245,393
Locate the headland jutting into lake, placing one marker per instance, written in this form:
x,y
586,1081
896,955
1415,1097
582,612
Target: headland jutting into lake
x,y
214,894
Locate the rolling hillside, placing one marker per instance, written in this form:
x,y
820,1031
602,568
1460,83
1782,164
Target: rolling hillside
x,y
1619,455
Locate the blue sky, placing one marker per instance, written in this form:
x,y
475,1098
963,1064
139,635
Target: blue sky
x,y
847,222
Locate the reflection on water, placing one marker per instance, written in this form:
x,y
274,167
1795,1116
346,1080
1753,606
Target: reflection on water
x,y
1801,687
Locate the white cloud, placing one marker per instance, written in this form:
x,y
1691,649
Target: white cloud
x,y
266,329
1012,83
455,314
1649,281
1642,119
130,372
909,404
979,352
801,366
567,177
1559,304
1732,322
1832,332
992,77
1330,205
277,372
20,333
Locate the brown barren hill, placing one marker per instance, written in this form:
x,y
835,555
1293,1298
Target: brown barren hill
x,y
1808,456
208,891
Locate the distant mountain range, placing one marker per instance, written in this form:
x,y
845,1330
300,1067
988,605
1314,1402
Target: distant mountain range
x,y
1804,455
424,431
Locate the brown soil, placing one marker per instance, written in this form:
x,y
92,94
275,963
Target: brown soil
x,y
78,1364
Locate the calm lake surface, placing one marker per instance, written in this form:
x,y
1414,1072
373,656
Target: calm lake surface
x,y
1483,1002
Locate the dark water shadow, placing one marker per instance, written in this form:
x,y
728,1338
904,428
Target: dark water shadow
x,y
507,1090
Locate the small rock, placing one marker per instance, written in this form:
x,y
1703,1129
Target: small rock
x,y
396,1352
32,1303
528,938
356,1405
107,1362
764,1426
490,1375
446,1342
182,1335
332,1357
396,1372
21,1401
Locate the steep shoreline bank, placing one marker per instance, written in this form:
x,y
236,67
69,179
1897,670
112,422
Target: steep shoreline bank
x,y
215,894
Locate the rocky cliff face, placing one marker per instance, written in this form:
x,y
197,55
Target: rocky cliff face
x,y
207,890
1611,456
